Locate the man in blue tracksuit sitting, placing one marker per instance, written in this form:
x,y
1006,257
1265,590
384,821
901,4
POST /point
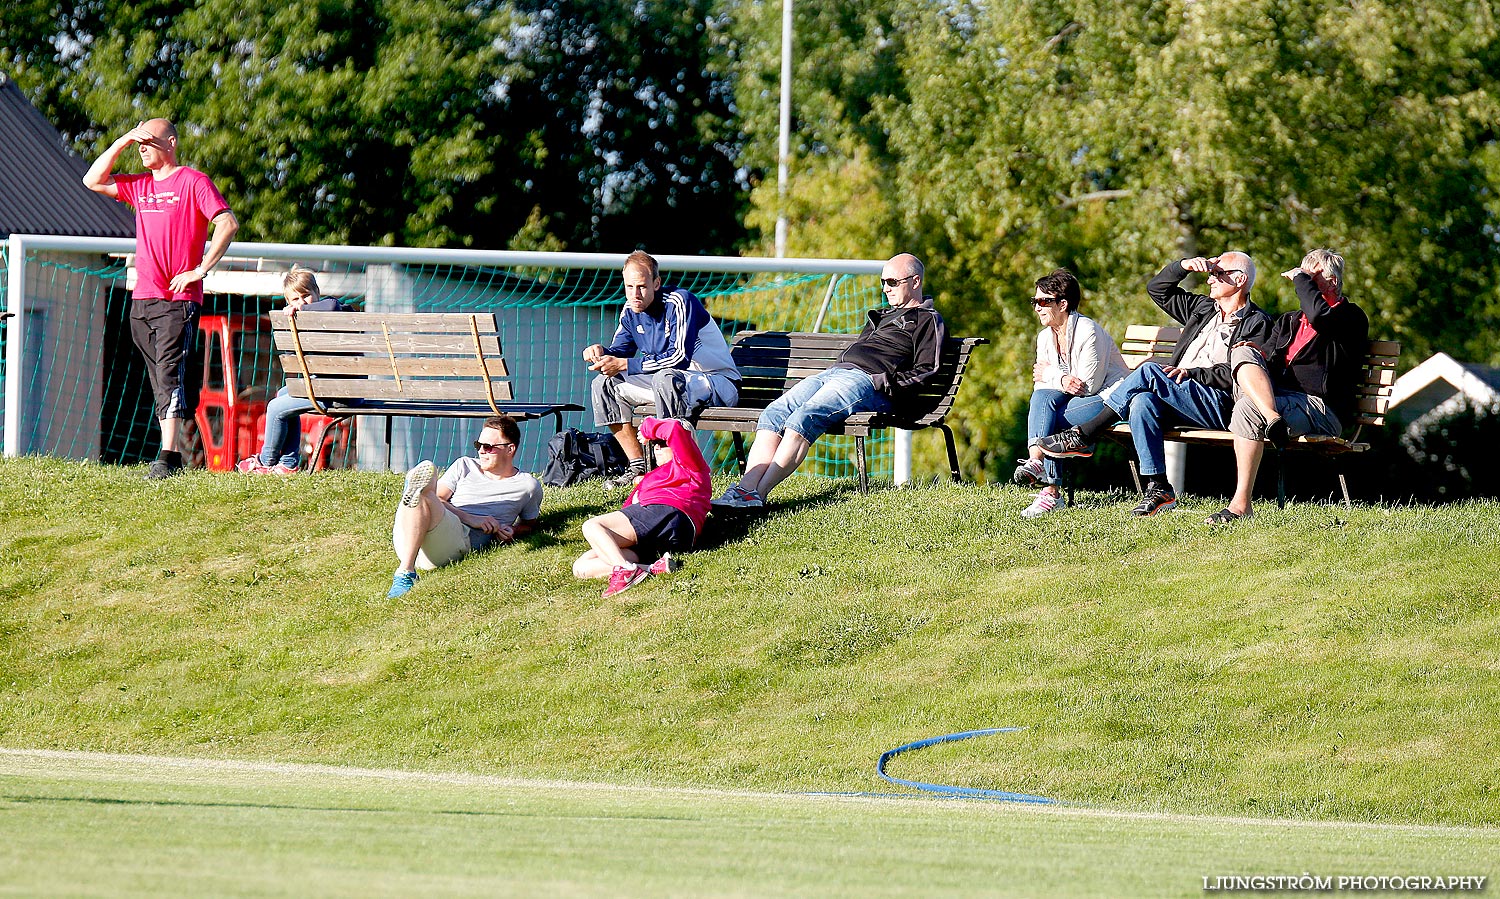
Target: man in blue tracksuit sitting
x,y
667,351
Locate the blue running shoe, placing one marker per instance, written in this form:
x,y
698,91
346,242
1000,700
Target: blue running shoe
x,y
402,583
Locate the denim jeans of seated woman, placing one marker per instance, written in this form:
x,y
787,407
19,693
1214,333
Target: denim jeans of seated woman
x,y
1053,411
284,429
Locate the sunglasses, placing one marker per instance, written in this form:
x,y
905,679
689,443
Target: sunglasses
x,y
888,283
1045,301
1223,273
482,447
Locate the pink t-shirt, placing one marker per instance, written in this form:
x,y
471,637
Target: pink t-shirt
x,y
171,224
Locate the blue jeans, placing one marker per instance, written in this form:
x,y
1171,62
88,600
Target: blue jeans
x,y
823,401
284,429
1053,411
1146,397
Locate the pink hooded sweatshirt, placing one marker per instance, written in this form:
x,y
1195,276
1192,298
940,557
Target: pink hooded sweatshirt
x,y
685,483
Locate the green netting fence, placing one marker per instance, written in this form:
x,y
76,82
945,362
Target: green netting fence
x,y
86,395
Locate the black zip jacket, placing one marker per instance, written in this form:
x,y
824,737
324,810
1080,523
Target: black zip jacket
x,y
1195,311
899,348
1330,365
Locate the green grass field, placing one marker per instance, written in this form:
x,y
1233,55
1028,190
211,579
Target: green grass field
x,y
1317,665
161,826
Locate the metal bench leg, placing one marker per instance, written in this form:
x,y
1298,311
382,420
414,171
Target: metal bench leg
x,y
1135,475
315,457
1344,486
1065,479
952,453
859,464
390,443
557,417
739,450
1280,480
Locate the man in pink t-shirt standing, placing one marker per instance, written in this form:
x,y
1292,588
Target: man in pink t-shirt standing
x,y
174,205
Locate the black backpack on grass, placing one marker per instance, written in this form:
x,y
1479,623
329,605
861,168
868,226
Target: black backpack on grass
x,y
574,456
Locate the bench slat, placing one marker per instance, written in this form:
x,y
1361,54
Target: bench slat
x,y
406,366
409,389
1167,333
417,322
374,342
1319,443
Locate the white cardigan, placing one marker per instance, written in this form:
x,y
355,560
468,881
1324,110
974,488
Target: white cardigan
x,y
1092,356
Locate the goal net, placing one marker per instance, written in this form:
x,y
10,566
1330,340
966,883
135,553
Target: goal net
x,y
75,386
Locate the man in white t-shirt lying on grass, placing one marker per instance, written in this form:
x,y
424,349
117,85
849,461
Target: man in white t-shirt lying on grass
x,y
479,501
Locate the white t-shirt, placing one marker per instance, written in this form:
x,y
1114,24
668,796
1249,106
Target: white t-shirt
x,y
507,500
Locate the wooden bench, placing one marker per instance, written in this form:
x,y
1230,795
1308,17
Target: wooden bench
x,y
772,362
1145,343
425,365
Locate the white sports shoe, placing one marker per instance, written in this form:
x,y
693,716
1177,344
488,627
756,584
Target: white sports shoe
x,y
1046,501
416,481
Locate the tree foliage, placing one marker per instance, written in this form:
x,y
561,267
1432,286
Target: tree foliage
x,y
412,122
997,140
1111,136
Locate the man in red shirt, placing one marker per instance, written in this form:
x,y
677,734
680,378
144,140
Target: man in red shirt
x,y
1302,380
174,205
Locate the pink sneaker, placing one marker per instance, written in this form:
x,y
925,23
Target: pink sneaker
x,y
252,465
283,470
666,564
622,579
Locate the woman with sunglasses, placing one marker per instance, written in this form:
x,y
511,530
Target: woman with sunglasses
x,y
1074,358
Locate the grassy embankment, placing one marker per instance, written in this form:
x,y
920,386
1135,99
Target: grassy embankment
x,y
1317,663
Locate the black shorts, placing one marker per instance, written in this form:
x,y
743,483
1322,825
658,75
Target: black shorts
x,y
165,331
659,529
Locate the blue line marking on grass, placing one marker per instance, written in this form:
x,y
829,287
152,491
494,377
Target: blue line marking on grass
x,y
957,792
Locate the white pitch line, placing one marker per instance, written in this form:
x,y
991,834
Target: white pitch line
x,y
394,775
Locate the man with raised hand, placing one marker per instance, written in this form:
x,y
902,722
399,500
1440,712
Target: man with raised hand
x,y
1194,388
174,206
668,351
1302,381
899,349
480,500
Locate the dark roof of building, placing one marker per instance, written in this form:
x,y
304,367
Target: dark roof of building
x,y
41,179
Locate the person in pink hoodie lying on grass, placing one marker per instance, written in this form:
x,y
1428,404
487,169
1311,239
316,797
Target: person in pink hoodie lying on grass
x,y
664,514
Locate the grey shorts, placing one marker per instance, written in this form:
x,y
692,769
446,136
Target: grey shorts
x,y
1304,414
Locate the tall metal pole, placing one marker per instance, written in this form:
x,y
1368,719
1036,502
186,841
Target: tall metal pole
x,y
15,344
785,147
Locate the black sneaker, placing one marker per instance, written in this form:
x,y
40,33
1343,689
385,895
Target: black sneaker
x,y
1277,434
161,470
626,478
1069,444
1157,499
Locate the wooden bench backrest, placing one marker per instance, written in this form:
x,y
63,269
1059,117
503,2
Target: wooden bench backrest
x,y
771,362
1373,392
393,357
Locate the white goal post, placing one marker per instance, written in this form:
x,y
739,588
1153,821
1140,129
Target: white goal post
x,y
40,311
